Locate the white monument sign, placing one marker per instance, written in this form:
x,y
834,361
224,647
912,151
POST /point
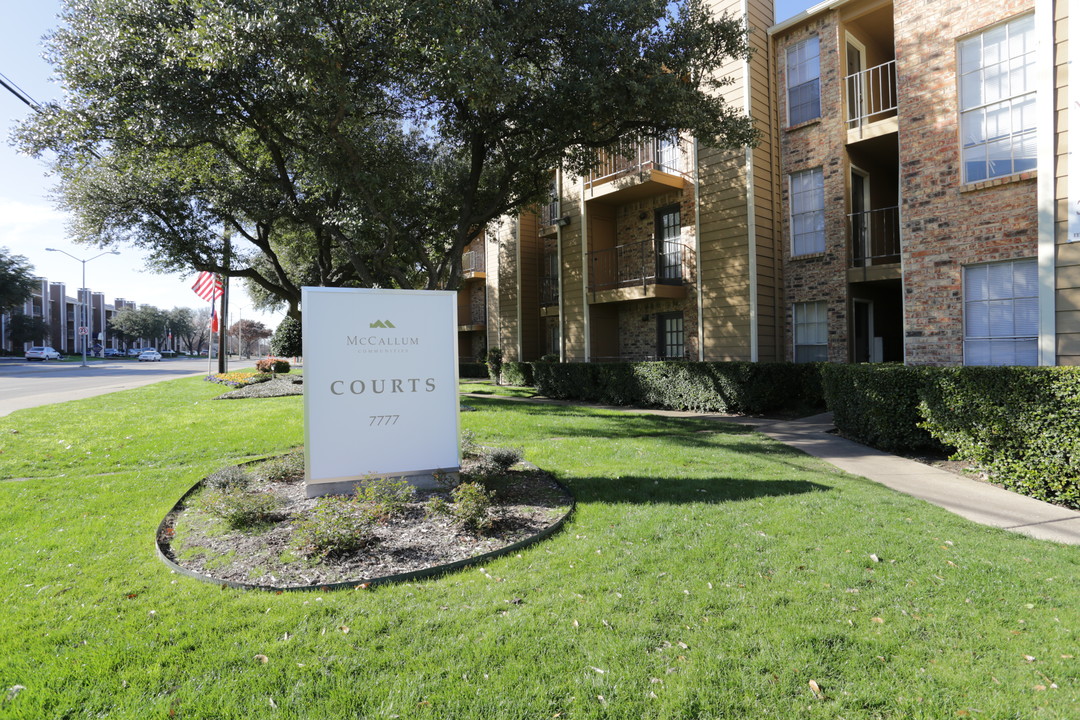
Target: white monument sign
x,y
380,386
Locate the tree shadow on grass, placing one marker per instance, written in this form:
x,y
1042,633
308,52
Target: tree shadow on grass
x,y
707,490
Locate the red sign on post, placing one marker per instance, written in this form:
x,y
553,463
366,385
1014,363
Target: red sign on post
x,y
84,331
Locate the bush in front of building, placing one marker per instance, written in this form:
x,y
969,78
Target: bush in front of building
x,y
517,373
1019,424
472,370
878,404
736,387
272,365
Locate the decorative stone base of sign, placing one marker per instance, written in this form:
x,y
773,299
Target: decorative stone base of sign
x,y
421,479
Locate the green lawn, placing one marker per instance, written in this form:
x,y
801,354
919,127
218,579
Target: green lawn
x,y
708,572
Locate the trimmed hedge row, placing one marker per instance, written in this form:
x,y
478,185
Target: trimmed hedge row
x,y
1020,424
742,387
517,373
472,370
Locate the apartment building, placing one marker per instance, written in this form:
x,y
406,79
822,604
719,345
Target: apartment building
x,y
50,302
667,251
910,201
925,189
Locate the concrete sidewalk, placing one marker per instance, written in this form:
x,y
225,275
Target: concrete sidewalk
x,y
975,500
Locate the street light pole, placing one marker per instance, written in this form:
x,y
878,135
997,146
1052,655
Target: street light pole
x,y
84,289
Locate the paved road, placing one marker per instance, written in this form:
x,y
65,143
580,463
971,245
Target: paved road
x,y
29,384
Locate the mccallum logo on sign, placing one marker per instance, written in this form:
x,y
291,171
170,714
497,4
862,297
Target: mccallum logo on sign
x,y
381,324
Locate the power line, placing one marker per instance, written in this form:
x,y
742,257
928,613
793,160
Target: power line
x,y
18,92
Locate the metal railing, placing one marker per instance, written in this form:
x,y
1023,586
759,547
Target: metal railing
x,y
549,213
661,154
549,291
875,237
472,261
639,263
871,94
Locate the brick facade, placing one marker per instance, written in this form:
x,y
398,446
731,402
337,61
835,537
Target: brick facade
x,y
817,144
946,224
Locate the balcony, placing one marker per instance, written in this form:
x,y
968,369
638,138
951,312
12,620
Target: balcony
x,y
649,167
472,264
470,319
875,237
637,271
549,291
549,213
871,102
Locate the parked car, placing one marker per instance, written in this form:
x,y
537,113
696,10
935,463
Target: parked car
x,y
111,352
150,355
42,353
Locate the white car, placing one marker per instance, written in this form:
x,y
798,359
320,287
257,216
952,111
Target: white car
x,y
42,353
150,356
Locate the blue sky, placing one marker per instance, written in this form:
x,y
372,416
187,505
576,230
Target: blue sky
x,y
28,221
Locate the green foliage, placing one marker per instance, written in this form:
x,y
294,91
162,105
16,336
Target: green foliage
x,y
359,142
229,478
472,370
437,505
494,362
146,322
737,387
469,446
16,280
1020,424
471,506
549,358
284,468
26,329
239,509
384,498
517,373
493,462
288,339
878,404
272,365
337,525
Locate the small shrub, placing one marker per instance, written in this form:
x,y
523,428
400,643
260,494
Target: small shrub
x,y
286,468
446,480
472,505
335,526
385,498
229,478
241,509
550,358
472,370
272,365
469,448
288,338
494,364
494,462
437,505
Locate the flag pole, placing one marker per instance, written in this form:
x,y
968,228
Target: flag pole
x,y
210,342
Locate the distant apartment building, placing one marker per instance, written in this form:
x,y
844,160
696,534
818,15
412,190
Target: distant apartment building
x,y
911,201
50,302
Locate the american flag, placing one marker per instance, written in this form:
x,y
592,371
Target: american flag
x,y
208,286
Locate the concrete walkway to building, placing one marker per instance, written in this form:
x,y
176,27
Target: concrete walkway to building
x,y
973,499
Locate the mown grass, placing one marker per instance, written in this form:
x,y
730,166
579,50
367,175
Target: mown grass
x,y
707,573
489,388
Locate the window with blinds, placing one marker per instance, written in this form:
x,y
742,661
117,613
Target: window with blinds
x,y
803,81
997,100
1001,313
807,192
810,328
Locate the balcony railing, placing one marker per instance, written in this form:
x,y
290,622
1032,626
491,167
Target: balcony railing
x,y
664,154
875,237
472,261
639,263
549,291
549,213
871,94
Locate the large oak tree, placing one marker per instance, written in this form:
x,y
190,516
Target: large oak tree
x,y
357,142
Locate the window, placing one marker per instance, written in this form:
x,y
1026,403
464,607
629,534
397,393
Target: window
x,y
1001,313
803,81
807,212
997,100
671,338
811,332
669,244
